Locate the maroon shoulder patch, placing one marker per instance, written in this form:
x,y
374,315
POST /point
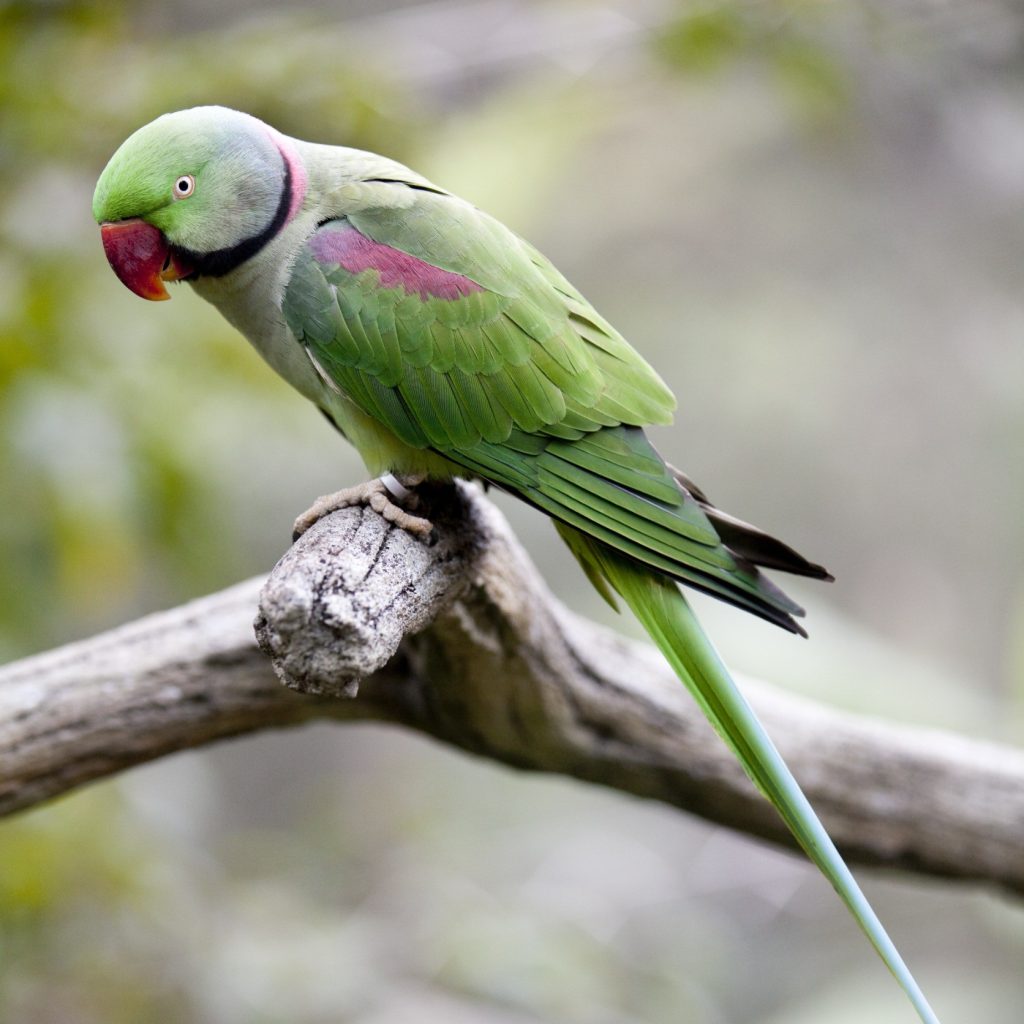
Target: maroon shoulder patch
x,y
353,251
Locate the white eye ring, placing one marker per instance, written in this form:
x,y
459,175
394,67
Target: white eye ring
x,y
184,187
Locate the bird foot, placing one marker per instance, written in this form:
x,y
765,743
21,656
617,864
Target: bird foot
x,y
381,495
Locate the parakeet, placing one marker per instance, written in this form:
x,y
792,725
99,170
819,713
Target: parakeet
x,y
441,344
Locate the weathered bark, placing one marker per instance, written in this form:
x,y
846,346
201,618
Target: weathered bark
x,y
462,640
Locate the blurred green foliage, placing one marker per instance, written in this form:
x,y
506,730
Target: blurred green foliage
x,y
839,311
779,36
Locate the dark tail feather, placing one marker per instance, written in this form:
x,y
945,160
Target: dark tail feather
x,y
750,543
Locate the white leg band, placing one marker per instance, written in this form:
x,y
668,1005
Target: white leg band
x,y
394,487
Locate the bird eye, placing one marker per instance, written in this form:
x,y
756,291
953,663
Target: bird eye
x,y
184,186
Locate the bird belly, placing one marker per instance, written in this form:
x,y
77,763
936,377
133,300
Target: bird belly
x,y
380,449
264,326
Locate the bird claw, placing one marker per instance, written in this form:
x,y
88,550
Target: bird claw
x,y
377,495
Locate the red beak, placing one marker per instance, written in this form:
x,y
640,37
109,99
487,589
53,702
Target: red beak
x,y
141,258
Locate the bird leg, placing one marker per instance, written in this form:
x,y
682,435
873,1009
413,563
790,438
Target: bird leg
x,y
381,495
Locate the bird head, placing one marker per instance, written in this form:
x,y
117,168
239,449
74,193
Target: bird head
x,y
196,192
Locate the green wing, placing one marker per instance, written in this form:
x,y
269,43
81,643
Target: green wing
x,y
441,324
471,329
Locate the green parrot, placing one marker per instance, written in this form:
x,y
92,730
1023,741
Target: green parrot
x,y
442,345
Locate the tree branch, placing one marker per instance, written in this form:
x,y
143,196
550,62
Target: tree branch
x,y
462,640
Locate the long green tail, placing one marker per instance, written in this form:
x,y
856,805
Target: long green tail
x,y
664,612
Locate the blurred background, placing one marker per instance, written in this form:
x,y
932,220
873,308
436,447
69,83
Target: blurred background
x,y
808,215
